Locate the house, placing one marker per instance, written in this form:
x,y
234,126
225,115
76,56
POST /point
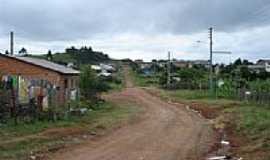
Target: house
x,y
108,68
105,70
190,63
204,63
260,66
50,84
182,64
97,68
138,61
263,62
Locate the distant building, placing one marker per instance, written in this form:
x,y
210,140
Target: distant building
x,y
183,64
263,62
204,63
108,68
97,68
190,63
70,64
105,70
260,66
139,61
45,81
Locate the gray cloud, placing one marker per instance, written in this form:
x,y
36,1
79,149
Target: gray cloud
x,y
70,20
139,28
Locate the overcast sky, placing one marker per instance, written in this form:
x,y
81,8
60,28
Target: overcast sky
x,y
139,28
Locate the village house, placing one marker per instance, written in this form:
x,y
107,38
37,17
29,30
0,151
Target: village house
x,y
105,70
182,64
190,64
260,66
203,63
139,61
45,81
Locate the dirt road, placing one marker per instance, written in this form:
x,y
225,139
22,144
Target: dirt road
x,y
164,132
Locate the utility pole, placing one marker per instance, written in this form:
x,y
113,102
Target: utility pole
x,y
169,70
211,60
11,43
211,81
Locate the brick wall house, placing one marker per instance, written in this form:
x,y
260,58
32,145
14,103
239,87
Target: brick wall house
x,y
31,70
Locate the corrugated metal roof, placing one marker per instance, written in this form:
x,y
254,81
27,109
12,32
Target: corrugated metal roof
x,y
47,64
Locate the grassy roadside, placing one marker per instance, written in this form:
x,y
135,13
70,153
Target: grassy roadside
x,y
118,81
143,81
248,125
17,142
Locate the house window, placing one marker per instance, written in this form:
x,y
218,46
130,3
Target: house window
x,y
72,83
66,83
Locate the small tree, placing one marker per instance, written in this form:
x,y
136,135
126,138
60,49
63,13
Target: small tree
x,y
49,55
90,85
23,52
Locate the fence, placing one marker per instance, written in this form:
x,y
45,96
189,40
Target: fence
x,y
252,96
228,92
190,85
27,99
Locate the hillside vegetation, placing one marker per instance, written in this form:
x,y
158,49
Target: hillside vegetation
x,y
84,55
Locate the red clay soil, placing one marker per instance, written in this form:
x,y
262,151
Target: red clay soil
x,y
164,132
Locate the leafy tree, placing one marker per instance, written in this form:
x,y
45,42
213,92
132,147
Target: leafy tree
x,y
245,73
84,55
163,78
190,74
246,62
23,52
49,55
238,62
90,85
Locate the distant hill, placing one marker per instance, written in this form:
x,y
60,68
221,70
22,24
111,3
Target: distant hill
x,y
84,55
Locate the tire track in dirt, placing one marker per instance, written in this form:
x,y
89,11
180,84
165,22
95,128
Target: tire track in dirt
x,y
167,132
163,132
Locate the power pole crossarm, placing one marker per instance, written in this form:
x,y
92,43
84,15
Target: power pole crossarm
x,y
222,52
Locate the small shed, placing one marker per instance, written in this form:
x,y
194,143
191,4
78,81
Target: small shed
x,y
32,78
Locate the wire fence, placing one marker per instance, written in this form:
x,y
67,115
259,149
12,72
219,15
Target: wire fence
x,y
252,96
228,92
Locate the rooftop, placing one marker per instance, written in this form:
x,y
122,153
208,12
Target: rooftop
x,y
45,64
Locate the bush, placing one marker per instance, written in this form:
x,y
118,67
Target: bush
x,y
91,86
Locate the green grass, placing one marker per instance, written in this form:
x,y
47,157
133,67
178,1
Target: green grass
x,y
188,94
251,121
116,86
105,118
10,131
144,81
118,83
193,96
255,122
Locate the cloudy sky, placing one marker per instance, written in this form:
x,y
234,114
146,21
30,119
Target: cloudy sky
x,y
144,29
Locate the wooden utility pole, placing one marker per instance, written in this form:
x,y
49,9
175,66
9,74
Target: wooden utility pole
x,y
169,69
11,43
211,60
